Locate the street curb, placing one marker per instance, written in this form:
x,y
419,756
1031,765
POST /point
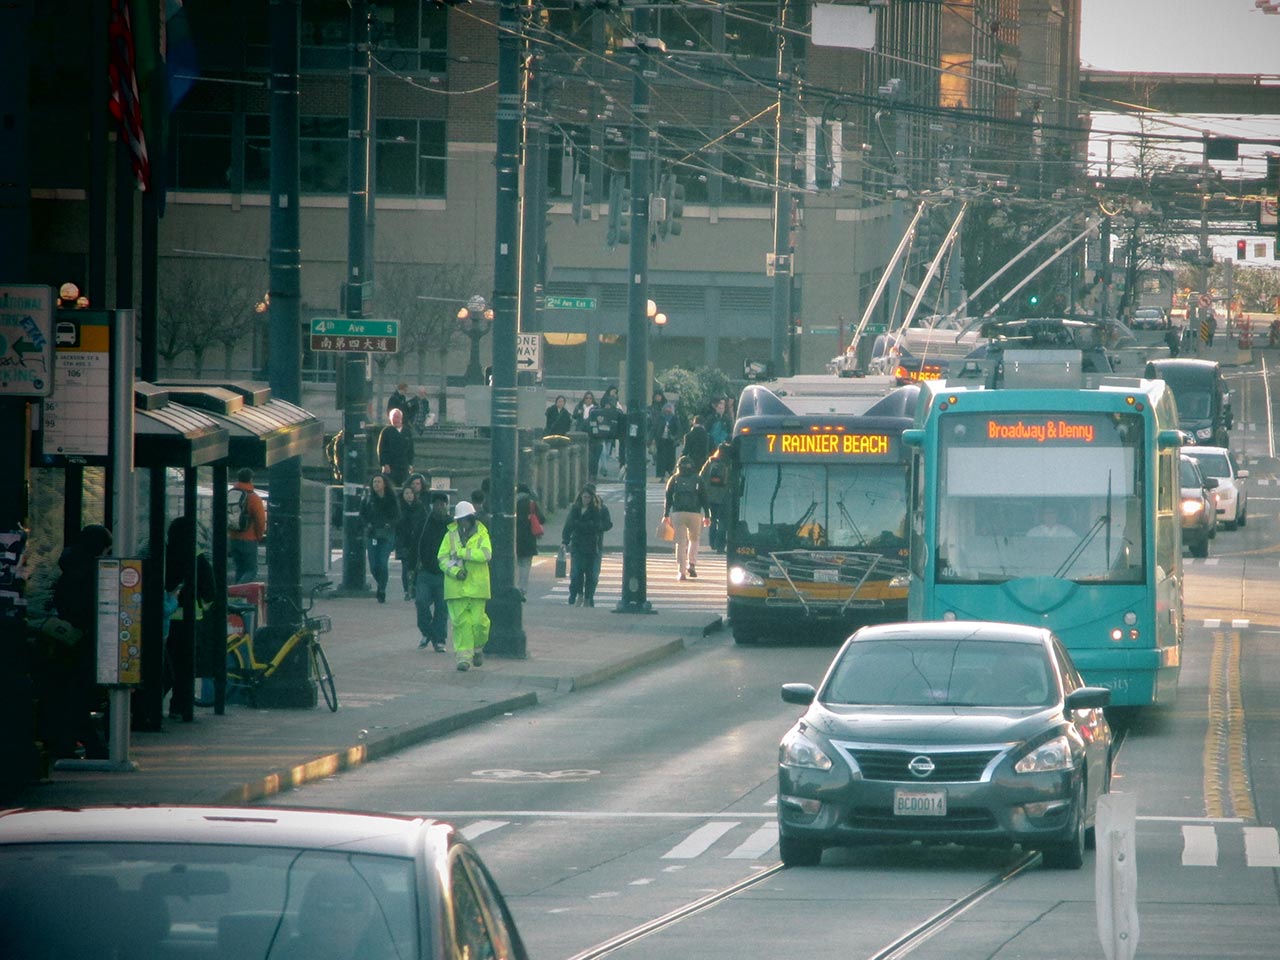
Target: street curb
x,y
354,756
618,667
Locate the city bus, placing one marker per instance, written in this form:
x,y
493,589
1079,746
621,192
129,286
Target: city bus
x,y
1055,507
816,534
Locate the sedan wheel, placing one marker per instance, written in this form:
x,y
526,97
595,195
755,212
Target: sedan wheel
x,y
1070,854
1200,549
798,853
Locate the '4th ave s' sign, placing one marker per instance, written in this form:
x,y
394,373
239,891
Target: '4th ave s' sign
x,y
339,334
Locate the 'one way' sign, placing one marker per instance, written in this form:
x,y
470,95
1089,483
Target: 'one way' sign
x,y
528,351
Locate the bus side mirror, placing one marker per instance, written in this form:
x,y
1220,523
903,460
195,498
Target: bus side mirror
x,y
913,437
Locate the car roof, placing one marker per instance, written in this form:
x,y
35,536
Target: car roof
x,y
953,630
382,834
1197,449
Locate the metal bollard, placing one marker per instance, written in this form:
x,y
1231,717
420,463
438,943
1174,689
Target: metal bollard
x,y
1116,876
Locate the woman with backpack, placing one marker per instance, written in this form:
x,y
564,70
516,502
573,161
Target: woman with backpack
x,y
527,534
686,508
379,515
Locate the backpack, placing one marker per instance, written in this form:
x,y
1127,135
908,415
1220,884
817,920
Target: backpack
x,y
238,518
684,494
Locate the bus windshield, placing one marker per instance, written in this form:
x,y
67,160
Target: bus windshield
x,y
808,505
1040,495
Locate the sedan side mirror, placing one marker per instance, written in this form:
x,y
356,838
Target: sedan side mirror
x,y
1087,698
801,693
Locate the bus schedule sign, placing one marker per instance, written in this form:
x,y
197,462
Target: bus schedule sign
x,y
784,446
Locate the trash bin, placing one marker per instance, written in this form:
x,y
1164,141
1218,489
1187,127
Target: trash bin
x,y
291,686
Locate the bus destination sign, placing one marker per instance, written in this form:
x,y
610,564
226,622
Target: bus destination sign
x,y
798,444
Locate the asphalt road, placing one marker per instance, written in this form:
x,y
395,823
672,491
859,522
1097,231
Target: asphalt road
x,y
605,810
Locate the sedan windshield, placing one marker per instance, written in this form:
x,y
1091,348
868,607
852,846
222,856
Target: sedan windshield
x,y
1212,464
74,900
926,672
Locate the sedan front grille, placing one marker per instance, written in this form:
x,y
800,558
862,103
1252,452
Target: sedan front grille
x,y
962,766
882,819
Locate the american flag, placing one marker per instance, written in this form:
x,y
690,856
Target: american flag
x,y
125,105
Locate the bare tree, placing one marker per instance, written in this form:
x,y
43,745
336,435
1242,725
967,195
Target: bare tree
x,y
207,303
425,299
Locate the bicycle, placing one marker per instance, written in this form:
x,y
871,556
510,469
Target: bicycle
x,y
247,672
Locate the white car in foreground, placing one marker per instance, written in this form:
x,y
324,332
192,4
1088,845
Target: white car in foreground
x,y
1220,463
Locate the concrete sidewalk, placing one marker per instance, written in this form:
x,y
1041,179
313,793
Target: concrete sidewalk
x,y
391,695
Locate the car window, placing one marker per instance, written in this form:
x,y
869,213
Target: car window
x,y
1190,475
930,672
142,900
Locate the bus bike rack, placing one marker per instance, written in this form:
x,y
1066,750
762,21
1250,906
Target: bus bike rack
x,y
784,559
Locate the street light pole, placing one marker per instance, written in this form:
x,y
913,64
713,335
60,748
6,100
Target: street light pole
x,y
477,314
634,535
506,631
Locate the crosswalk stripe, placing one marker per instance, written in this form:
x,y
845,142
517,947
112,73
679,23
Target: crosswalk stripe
x,y
1199,846
481,827
757,845
699,841
1261,847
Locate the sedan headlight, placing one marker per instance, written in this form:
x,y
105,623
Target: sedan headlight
x,y
1191,507
742,577
797,750
1046,758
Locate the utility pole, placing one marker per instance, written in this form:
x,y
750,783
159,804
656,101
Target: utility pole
x,y
635,586
1104,301
506,633
354,396
781,206
284,543
534,227
1206,254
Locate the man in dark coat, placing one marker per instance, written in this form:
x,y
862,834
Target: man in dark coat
x,y
399,399
395,449
697,443
433,614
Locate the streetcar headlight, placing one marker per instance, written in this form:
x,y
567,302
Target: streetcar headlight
x,y
1046,758
797,750
742,577
1130,618
1117,634
949,616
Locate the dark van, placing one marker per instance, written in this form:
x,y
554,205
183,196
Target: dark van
x,y
1204,406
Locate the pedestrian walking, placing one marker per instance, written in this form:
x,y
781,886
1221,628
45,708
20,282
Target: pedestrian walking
x,y
582,411
715,478
686,507
428,587
70,695
697,443
559,420
527,533
395,448
379,515
718,423
195,595
583,538
666,429
418,412
399,399
246,527
464,557
412,517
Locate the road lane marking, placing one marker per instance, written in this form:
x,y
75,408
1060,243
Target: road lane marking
x,y
1261,847
699,841
1199,846
481,827
757,845
587,814
1239,624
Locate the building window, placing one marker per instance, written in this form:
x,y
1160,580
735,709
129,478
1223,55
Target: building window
x,y
411,158
201,151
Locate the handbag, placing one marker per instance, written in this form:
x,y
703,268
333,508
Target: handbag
x,y
562,564
665,531
535,525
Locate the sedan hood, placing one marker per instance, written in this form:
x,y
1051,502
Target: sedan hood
x,y
939,726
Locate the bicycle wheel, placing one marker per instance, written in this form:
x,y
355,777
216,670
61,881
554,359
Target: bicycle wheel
x,y
320,667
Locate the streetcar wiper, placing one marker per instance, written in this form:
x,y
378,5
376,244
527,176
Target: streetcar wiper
x,y
1087,538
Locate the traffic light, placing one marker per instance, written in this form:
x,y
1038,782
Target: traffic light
x,y
675,206
619,228
579,196
1241,249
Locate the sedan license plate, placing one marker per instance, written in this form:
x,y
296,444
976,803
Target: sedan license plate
x,y
920,803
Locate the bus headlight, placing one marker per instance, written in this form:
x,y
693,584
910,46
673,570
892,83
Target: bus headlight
x,y
900,582
742,577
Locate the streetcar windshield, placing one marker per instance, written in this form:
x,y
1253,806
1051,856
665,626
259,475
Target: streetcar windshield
x,y
1041,495
808,505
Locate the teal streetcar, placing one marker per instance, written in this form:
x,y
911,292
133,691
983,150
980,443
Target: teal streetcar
x,y
1055,507
817,527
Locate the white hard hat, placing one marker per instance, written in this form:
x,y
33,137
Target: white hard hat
x,y
463,509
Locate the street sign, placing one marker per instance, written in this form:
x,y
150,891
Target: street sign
x,y
529,351
1206,300
26,341
76,419
569,303
874,328
344,335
